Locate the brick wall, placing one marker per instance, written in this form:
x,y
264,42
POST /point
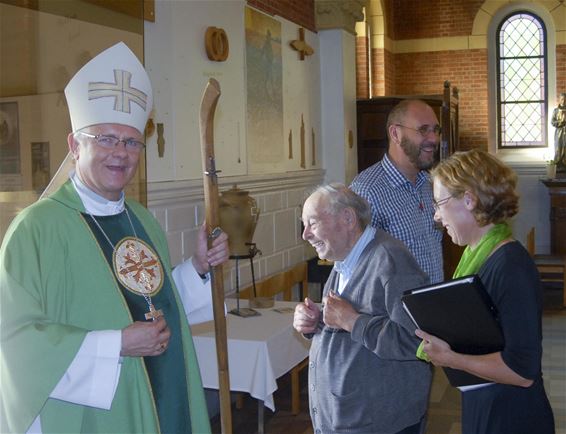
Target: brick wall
x,y
414,19
379,73
383,73
362,67
425,73
300,12
390,74
561,68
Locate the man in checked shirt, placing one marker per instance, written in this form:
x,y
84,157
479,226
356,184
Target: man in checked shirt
x,y
398,187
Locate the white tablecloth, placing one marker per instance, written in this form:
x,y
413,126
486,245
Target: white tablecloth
x,y
260,350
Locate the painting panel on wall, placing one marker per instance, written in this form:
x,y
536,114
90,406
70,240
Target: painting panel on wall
x,y
40,165
9,139
264,88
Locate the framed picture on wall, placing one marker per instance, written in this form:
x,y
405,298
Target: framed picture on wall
x,y
9,139
264,69
40,165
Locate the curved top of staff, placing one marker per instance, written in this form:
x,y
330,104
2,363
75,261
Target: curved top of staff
x,y
207,110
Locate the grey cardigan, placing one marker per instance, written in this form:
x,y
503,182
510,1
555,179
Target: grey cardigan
x,y
369,381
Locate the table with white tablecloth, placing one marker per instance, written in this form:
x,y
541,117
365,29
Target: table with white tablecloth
x,y
260,349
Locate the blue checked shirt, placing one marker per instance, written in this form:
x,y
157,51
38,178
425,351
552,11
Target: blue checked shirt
x,y
405,211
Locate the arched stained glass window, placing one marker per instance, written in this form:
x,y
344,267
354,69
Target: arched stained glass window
x,y
521,90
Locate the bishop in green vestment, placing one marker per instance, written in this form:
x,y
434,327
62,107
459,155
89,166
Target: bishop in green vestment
x,y
79,350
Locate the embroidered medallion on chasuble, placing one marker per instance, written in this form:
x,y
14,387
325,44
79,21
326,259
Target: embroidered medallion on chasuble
x,y
138,269
139,274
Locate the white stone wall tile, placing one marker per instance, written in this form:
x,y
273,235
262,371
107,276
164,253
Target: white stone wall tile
x,y
259,267
179,218
295,197
264,234
274,263
296,255
174,239
260,203
245,274
273,201
161,216
189,242
285,229
200,214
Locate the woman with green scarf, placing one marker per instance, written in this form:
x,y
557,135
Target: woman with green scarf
x,y
474,197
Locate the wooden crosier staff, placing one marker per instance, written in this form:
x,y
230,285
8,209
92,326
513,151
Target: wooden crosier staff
x,y
207,108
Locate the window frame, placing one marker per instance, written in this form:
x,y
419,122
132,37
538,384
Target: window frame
x,y
500,103
519,155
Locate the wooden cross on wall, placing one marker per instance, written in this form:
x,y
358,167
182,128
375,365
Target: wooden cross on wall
x,y
301,46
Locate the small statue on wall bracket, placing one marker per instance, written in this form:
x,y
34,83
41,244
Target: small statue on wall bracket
x,y
559,122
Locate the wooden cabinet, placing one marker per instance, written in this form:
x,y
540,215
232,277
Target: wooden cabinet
x,y
557,191
372,119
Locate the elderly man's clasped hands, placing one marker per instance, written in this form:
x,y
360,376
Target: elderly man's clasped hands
x,y
336,313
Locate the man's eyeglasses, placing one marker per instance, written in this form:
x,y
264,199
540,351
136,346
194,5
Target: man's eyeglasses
x,y
110,142
437,204
424,130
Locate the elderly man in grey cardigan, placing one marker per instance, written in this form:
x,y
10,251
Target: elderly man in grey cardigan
x,y
363,373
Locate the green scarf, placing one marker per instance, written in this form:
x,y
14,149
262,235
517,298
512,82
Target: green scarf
x,y
472,259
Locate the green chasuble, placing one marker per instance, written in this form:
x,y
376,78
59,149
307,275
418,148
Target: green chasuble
x,y
166,371
55,286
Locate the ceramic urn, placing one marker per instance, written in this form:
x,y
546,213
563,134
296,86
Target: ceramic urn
x,y
238,218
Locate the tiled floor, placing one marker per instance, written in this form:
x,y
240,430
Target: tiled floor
x,y
444,406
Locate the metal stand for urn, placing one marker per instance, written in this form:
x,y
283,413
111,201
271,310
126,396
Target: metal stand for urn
x,y
245,311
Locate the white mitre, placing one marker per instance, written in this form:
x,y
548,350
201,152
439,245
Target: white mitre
x,y
113,88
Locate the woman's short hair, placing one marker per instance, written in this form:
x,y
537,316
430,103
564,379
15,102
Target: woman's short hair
x,y
487,178
341,197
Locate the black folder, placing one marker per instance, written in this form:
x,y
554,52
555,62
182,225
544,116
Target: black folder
x,y
460,312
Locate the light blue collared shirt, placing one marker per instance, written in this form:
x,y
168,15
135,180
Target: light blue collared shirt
x,y
346,267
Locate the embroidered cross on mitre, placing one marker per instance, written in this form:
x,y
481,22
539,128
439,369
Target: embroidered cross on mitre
x,y
120,90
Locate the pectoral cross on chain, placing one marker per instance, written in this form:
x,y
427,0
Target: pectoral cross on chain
x,y
153,314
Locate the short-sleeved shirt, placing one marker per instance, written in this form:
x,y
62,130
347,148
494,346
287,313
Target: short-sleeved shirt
x,y
404,210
